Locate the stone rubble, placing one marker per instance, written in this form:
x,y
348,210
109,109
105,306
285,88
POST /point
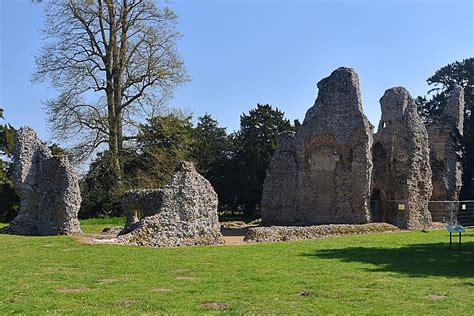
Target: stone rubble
x,y
48,189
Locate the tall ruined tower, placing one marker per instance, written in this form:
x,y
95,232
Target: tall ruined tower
x,y
322,174
402,172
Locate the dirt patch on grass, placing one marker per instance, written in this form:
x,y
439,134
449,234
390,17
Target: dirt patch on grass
x,y
161,290
66,290
14,300
60,270
180,270
216,306
234,240
127,302
436,297
306,293
93,239
185,278
231,237
70,249
107,281
234,236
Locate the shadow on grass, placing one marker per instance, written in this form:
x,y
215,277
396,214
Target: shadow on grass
x,y
417,260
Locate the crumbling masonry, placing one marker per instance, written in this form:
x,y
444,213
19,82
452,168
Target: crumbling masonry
x,y
401,179
445,150
322,174
332,171
184,213
48,189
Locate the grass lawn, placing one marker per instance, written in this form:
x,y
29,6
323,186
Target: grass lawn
x,y
408,272
96,225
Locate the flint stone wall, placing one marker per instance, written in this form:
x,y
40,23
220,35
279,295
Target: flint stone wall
x,y
48,188
402,172
445,151
281,183
322,174
141,203
287,233
187,214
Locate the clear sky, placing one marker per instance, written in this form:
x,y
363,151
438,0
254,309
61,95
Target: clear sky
x,y
240,53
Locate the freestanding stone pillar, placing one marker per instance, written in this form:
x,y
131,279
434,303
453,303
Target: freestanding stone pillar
x,y
281,184
402,172
48,189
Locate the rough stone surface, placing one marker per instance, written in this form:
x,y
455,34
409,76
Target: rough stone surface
x,y
287,233
322,174
141,203
48,189
402,172
281,183
112,230
187,214
445,152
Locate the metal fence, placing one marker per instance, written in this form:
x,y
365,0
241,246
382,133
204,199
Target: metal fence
x,y
447,212
452,212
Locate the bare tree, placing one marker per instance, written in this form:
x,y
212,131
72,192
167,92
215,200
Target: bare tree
x,y
112,61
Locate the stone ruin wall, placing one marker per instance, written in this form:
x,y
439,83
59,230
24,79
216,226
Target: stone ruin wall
x,y
328,172
445,152
322,174
48,188
402,172
281,184
333,154
184,213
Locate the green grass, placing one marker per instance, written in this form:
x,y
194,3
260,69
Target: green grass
x,y
391,273
96,225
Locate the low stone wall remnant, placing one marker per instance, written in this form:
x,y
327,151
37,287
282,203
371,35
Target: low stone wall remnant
x,y
288,233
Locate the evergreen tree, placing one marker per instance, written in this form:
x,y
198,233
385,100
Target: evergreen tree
x,y
212,153
256,143
9,201
210,145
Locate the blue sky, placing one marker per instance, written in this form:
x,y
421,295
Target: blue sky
x,y
240,53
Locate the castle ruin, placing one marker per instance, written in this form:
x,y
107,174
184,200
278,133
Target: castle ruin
x,y
322,174
333,170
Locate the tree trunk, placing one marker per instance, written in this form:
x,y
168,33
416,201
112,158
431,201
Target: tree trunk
x,y
114,97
